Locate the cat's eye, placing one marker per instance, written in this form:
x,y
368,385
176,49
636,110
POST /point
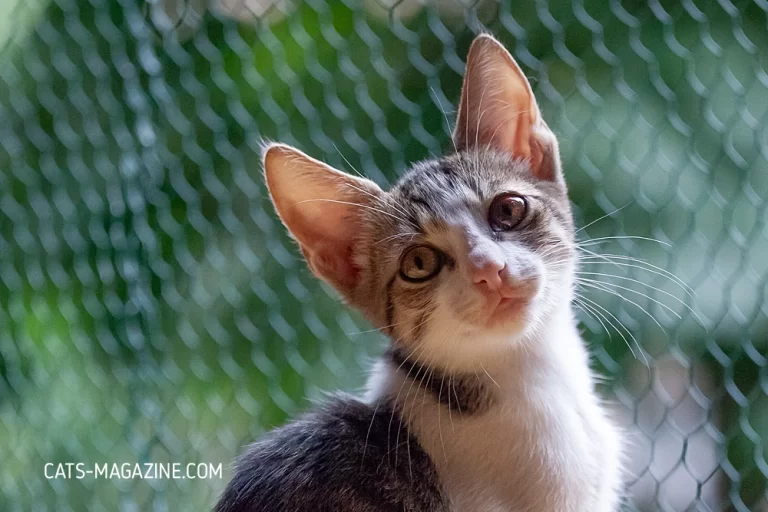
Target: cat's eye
x,y
421,263
507,211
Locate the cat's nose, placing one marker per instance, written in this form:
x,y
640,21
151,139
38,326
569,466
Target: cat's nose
x,y
488,273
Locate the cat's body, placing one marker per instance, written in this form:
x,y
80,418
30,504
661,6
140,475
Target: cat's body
x,y
542,442
485,401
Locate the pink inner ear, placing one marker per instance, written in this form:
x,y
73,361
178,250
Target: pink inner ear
x,y
333,260
520,136
348,269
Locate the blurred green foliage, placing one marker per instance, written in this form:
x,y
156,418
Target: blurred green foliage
x,y
153,309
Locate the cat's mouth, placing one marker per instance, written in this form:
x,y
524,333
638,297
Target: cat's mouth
x,y
507,309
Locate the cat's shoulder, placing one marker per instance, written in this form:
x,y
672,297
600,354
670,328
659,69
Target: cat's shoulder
x,y
345,455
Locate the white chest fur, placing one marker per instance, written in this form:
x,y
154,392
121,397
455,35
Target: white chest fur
x,y
544,445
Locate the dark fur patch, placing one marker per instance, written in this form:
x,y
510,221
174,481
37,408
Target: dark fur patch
x,y
450,176
463,393
345,457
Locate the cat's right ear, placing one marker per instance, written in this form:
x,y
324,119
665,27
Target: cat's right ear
x,y
321,207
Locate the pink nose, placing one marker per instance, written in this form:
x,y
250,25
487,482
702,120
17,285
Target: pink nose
x,y
488,273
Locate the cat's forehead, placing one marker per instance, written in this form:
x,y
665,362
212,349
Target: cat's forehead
x,y
459,188
469,176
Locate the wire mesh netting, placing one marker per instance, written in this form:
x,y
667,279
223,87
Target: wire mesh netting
x,y
152,308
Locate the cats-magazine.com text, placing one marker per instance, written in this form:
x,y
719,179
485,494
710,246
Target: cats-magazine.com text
x,y
133,471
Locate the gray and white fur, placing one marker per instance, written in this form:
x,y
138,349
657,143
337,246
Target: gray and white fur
x,y
485,400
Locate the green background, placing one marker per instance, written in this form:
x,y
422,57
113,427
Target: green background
x,y
153,309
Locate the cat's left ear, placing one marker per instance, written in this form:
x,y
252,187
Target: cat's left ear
x,y
498,109
322,208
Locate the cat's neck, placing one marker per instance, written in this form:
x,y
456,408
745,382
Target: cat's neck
x,y
555,347
554,352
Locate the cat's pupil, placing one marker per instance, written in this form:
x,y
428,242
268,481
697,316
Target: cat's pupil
x,y
419,262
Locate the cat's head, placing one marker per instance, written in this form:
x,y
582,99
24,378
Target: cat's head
x,y
466,254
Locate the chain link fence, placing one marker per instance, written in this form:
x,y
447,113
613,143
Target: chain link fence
x,y
152,308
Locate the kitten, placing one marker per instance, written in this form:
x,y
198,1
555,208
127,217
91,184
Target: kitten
x,y
485,401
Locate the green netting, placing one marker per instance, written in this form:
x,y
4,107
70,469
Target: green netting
x,y
153,310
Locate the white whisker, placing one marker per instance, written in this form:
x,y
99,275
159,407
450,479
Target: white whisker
x,y
591,311
601,286
348,162
481,112
405,404
373,417
379,201
450,416
643,284
509,120
608,258
397,235
439,409
593,241
598,306
447,123
601,218
489,376
348,203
